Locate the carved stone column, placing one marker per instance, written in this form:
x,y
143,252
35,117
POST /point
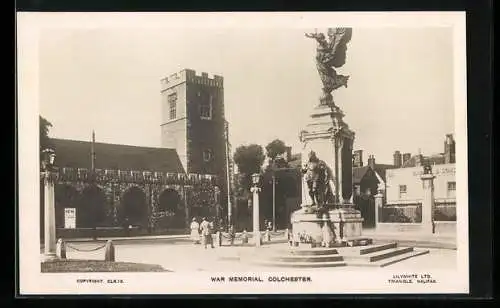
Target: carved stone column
x,y
256,219
428,203
379,200
49,177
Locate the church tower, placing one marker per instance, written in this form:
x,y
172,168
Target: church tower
x,y
193,122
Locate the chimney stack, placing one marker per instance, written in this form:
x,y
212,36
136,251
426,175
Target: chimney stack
x,y
449,149
358,158
371,161
406,157
397,159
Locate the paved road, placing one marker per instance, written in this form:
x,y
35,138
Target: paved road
x,y
181,255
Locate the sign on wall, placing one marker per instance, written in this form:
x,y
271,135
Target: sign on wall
x,y
70,218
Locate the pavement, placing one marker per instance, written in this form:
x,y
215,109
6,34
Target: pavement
x,y
406,239
186,256
442,241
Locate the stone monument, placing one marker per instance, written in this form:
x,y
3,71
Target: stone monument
x,y
327,215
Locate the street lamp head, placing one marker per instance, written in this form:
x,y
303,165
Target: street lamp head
x,y
255,179
49,157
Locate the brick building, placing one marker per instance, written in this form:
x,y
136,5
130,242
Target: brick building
x,y
404,190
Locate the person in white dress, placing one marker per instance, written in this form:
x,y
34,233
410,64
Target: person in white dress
x,y
206,232
195,231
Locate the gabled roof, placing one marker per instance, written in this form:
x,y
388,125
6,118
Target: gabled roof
x,y
358,173
77,154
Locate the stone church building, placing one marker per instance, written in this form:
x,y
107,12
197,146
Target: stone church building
x,y
113,188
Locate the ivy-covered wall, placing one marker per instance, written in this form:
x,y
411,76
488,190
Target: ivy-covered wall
x,y
114,193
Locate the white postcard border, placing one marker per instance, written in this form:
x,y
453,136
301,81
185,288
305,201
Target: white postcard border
x,y
31,281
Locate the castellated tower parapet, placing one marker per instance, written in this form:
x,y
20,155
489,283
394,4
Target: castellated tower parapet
x,y
190,76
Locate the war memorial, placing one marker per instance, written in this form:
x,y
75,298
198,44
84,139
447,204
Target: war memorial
x,y
327,229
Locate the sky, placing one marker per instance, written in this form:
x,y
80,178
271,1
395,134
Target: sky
x,y
400,94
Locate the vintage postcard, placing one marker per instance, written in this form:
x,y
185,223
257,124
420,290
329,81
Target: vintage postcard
x,y
242,153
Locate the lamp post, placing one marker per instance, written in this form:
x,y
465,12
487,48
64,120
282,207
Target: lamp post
x,y
49,176
217,203
255,190
274,199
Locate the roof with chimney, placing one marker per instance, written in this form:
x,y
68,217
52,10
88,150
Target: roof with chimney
x,y
436,159
358,173
77,154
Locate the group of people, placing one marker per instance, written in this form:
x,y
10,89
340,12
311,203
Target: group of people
x,y
202,232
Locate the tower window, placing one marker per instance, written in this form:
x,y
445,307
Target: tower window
x,y
172,105
402,191
452,187
206,109
207,155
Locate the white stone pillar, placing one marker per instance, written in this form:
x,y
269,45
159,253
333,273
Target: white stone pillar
x,y
49,216
256,226
379,202
428,203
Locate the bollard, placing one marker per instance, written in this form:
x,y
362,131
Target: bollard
x,y
287,234
244,237
61,249
109,254
268,236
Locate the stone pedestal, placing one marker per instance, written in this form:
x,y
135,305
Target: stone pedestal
x,y
332,140
345,224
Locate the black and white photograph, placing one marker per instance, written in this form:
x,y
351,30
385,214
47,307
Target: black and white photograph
x,y
242,153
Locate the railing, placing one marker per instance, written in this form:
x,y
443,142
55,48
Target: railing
x,y
445,210
411,211
401,213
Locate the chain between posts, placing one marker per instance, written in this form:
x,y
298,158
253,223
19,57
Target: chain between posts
x,y
85,250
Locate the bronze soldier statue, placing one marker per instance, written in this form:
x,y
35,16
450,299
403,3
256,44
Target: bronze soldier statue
x,y
318,176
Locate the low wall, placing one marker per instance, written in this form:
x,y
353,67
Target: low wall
x,y
394,227
445,227
440,227
98,232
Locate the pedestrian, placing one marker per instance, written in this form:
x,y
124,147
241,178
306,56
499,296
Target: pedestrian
x,y
195,231
206,233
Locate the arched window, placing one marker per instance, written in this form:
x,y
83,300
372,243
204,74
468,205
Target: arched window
x,y
206,108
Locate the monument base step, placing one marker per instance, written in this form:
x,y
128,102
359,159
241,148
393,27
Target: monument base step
x,y
378,255
299,264
374,255
302,258
387,261
306,251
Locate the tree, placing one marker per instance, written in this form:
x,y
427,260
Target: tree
x,y
275,148
45,126
249,160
